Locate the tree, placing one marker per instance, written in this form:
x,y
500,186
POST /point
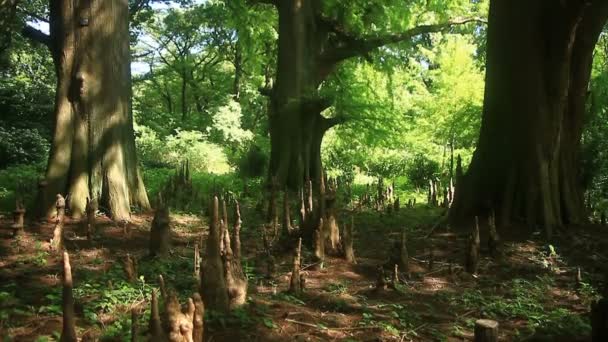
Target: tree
x,y
538,68
313,40
93,147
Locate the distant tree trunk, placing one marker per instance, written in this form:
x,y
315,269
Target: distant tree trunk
x,y
7,15
238,70
184,98
93,149
538,68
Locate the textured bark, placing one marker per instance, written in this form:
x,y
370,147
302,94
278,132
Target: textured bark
x,y
163,288
130,268
88,224
134,327
286,227
295,285
199,315
213,283
319,244
223,282
332,230
18,217
197,262
399,255
160,232
179,324
93,147
349,252
381,279
236,282
155,327
599,320
472,256
538,68
68,333
57,240
493,237
486,331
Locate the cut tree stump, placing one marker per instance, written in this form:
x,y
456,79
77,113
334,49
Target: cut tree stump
x,y
486,330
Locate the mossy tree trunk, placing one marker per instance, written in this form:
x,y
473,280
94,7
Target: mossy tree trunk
x,y
538,68
93,147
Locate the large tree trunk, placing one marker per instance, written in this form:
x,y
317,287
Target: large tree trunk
x,y
293,114
538,67
93,149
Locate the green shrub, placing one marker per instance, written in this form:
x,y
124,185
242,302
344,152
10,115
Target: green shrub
x,y
171,150
22,146
420,170
22,179
253,163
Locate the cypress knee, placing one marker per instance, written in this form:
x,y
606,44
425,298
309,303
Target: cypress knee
x,y
294,284
349,252
472,256
18,217
68,333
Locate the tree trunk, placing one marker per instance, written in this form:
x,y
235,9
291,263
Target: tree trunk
x,y
93,149
296,124
538,68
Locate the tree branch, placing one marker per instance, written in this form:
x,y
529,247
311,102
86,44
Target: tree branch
x,y
328,123
36,35
349,46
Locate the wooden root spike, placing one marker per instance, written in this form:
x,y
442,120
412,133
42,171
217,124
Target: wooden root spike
x,y
68,334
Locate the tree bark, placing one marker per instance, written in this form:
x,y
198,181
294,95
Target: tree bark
x,y
538,67
93,149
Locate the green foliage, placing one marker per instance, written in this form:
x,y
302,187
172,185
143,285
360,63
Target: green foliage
x,y
396,112
21,180
594,160
529,300
420,170
170,151
253,163
22,146
204,183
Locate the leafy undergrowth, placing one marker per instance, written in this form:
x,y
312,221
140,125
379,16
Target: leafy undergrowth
x,y
530,291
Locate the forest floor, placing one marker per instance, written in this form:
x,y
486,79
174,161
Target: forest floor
x,y
531,291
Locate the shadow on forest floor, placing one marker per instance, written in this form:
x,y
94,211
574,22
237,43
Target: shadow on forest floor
x,y
530,291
